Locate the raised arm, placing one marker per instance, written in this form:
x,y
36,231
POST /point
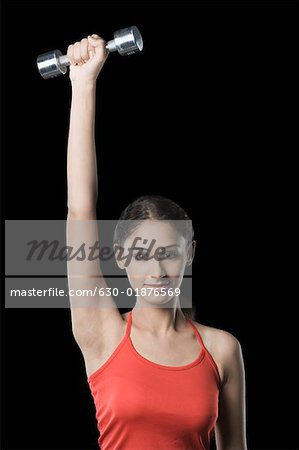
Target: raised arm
x,y
81,158
90,314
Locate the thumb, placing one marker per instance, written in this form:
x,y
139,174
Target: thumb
x,y
95,40
98,47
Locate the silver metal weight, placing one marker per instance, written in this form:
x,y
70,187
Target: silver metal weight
x,y
126,42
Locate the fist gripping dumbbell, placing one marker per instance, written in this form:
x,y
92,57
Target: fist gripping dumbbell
x,y
126,41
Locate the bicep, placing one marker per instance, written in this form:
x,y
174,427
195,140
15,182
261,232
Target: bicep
x,y
231,426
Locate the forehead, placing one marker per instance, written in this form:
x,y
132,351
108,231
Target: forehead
x,y
162,231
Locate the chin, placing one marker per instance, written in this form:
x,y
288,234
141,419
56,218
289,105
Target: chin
x,y
157,299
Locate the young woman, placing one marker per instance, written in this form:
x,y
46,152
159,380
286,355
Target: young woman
x,y
159,379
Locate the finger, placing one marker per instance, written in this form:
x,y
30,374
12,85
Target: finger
x,y
70,53
91,51
77,52
84,49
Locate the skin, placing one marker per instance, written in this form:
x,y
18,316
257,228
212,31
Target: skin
x,y
159,332
157,312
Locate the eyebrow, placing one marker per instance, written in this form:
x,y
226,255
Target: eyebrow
x,y
144,248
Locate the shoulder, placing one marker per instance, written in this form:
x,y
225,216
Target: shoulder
x,y
223,346
217,338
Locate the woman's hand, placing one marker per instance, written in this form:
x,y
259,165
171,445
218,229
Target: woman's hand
x,y
87,58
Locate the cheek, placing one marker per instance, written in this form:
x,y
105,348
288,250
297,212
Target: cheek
x,y
135,270
175,267
138,269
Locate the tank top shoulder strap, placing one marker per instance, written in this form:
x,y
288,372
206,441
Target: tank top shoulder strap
x,y
129,324
209,356
197,334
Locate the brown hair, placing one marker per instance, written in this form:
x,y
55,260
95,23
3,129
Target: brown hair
x,y
155,207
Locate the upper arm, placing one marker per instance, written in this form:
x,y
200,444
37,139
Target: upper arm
x,y
90,313
231,423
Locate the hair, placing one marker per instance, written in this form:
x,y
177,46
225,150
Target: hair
x,y
155,207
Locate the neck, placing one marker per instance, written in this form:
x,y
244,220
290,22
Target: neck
x,y
158,321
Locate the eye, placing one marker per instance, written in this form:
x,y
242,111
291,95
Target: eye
x,y
169,255
140,256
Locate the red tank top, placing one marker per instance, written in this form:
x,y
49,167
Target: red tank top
x,y
142,405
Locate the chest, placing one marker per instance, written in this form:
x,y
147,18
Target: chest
x,y
183,401
174,351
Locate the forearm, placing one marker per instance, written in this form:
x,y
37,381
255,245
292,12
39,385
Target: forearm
x,y
81,151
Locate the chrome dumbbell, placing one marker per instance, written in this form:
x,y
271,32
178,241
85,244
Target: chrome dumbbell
x,y
126,41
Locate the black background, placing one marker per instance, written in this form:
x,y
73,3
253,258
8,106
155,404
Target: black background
x,y
204,115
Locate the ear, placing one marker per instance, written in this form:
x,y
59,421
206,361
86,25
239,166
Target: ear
x,y
118,253
190,253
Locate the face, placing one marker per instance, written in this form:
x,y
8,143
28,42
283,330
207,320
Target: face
x,y
156,257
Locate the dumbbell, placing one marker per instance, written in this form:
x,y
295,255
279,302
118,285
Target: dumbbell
x,y
126,41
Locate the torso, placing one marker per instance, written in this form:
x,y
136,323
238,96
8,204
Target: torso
x,y
180,349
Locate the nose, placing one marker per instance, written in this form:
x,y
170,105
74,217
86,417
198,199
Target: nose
x,y
156,269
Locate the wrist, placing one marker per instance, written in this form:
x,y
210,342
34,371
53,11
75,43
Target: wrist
x,y
82,85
